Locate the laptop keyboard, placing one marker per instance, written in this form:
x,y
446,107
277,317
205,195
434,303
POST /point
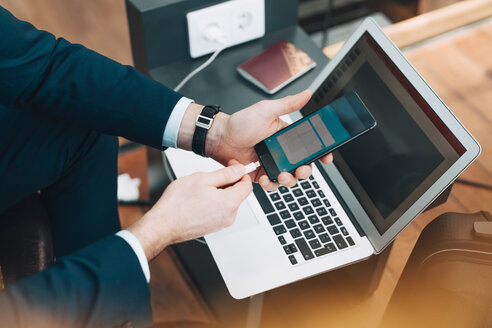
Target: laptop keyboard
x,y
304,214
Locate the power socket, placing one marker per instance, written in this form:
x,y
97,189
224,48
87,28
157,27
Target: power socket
x,y
239,20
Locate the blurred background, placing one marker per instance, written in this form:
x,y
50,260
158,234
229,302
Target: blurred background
x,y
101,24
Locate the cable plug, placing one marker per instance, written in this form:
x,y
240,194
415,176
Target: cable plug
x,y
251,167
213,33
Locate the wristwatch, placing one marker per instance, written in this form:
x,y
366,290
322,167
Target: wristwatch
x,y
202,124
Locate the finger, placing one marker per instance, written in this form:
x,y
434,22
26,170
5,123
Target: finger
x,y
328,159
304,172
287,179
225,176
266,184
232,162
240,190
290,104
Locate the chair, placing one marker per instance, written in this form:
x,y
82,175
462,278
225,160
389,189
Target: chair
x,y
25,240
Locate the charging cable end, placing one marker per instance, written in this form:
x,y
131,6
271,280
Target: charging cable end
x,y
251,167
213,33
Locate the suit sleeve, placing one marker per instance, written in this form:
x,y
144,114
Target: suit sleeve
x,y
101,285
72,83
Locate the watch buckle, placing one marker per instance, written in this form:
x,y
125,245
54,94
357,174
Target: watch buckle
x,y
203,124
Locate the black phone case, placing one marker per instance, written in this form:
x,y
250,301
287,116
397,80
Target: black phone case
x,y
271,174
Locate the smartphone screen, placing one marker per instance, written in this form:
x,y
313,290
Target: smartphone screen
x,y
315,135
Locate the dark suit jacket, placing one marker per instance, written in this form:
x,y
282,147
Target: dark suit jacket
x,y
102,284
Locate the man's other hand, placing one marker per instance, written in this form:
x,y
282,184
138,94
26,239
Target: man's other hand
x,y
193,206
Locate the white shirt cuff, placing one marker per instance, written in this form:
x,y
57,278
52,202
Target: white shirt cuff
x,y
137,248
170,137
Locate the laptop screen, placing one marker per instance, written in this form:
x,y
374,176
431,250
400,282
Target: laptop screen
x,y
390,167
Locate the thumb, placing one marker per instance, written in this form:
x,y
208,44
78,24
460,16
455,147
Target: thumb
x,y
226,176
291,104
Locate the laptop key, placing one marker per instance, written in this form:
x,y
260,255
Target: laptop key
x,y
280,205
319,228
316,202
338,221
313,219
314,243
308,210
293,207
304,248
316,185
311,193
305,185
290,224
344,231
283,189
288,198
293,248
338,239
350,241
309,234
280,229
265,203
298,215
295,233
332,229
285,214
311,177
274,196
303,201
296,192
327,249
327,220
292,259
321,211
321,194
282,240
287,250
304,225
273,219
331,247
326,202
332,212
324,238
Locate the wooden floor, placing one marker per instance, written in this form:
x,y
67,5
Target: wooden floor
x,y
458,67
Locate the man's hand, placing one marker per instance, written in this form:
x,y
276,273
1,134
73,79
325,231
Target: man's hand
x,y
191,207
234,136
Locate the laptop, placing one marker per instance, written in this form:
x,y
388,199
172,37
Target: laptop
x,y
349,210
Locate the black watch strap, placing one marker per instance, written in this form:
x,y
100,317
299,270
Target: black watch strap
x,y
202,125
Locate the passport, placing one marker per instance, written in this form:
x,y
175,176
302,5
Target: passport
x,y
276,67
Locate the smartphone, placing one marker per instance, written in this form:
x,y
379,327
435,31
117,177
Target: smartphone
x,y
315,135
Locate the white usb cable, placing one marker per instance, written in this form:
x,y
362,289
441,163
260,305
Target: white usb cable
x,y
251,167
211,33
216,34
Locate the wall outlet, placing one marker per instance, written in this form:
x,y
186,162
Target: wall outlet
x,y
240,20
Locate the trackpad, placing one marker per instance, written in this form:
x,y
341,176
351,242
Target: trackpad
x,y
246,218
